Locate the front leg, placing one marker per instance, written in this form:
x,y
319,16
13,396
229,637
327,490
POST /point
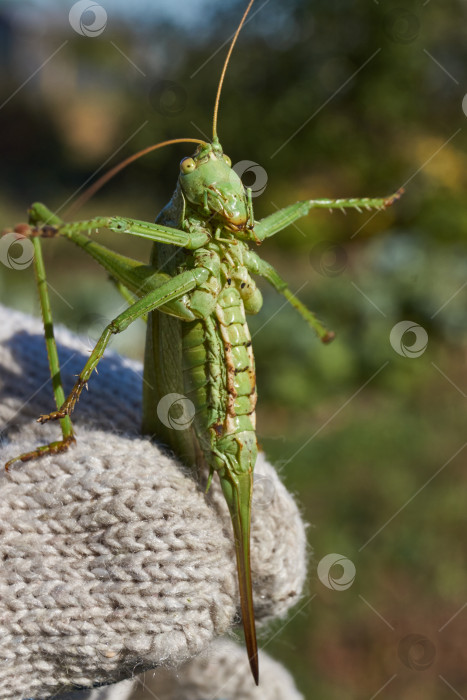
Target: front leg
x,y
274,223
52,226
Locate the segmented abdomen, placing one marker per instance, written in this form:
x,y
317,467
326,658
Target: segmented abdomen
x,y
219,374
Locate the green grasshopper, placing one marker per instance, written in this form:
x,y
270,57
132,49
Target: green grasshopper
x,y
200,277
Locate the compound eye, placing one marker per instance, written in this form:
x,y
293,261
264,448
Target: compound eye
x,y
187,165
227,160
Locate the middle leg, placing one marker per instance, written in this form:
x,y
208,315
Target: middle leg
x,y
258,266
173,289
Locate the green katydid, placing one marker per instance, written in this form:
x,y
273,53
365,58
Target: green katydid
x,y
200,278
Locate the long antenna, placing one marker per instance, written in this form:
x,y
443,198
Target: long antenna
x,y
224,70
96,186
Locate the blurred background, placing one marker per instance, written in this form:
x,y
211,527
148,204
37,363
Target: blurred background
x,y
331,99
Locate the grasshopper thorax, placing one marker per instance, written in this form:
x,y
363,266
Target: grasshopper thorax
x,y
213,188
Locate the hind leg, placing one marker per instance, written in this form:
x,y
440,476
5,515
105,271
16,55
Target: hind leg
x,y
54,365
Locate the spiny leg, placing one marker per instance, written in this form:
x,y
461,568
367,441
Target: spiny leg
x,y
126,272
54,365
117,224
274,223
258,266
173,289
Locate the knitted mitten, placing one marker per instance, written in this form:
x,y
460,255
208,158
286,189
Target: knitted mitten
x,y
113,559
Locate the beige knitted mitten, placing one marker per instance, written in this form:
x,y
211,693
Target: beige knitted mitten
x,y
113,559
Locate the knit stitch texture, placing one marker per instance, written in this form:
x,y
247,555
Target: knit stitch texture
x,y
220,672
113,559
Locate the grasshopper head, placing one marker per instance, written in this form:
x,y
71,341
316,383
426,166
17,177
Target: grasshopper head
x,y
211,186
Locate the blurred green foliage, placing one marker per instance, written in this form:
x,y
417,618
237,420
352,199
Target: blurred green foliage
x,y
332,98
